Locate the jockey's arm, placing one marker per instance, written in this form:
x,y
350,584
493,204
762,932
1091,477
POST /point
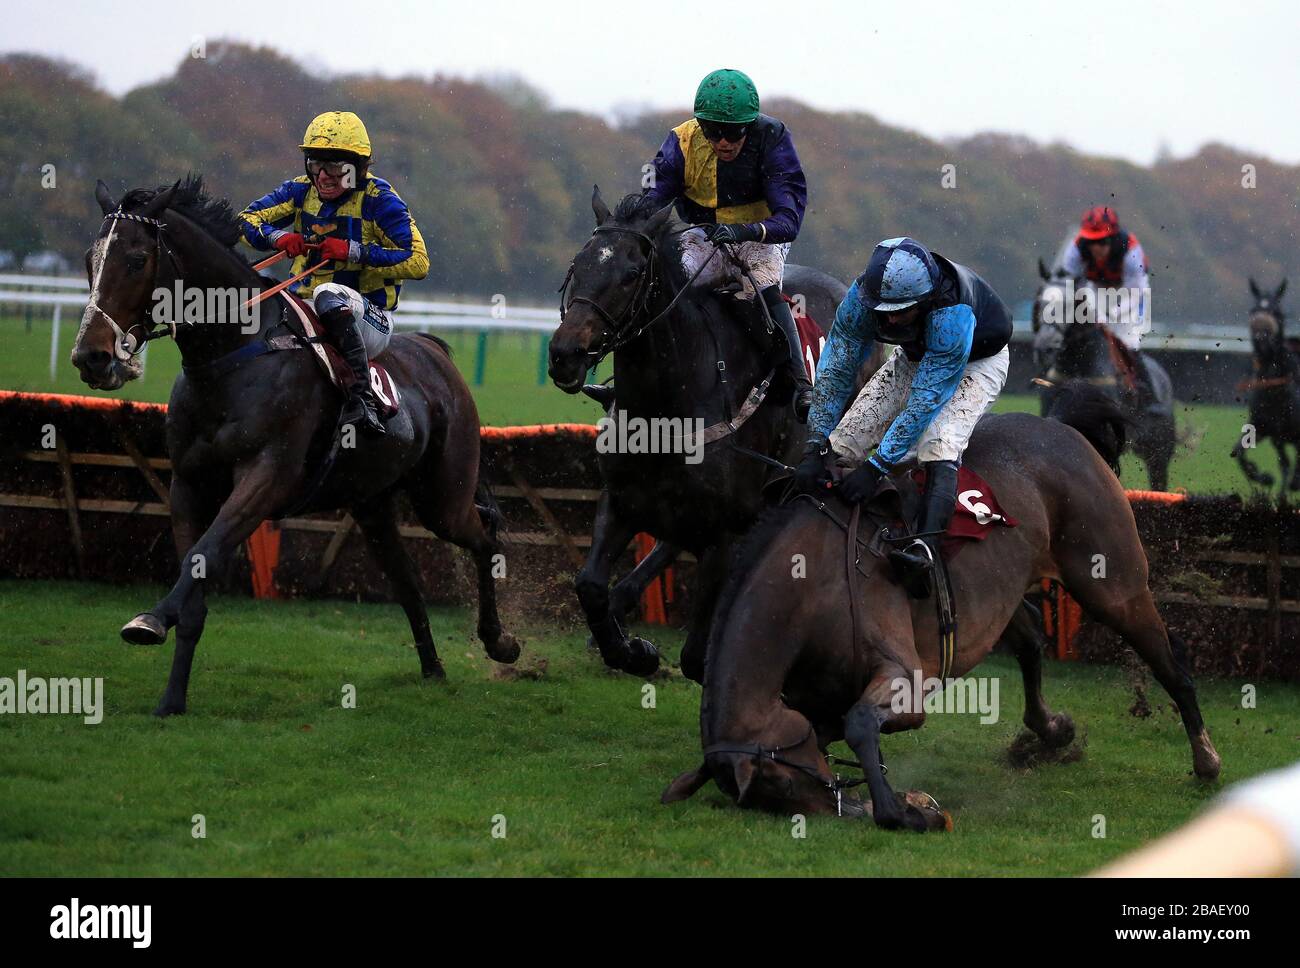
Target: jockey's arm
x,y
847,347
400,249
669,170
1136,279
786,190
949,333
1072,262
271,214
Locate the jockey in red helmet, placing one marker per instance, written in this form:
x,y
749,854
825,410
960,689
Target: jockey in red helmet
x,y
1106,256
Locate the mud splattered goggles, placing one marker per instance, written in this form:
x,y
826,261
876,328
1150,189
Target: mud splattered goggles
x,y
723,131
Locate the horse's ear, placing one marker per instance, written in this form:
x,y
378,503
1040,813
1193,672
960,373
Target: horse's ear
x,y
655,224
1280,289
745,773
686,785
1042,270
1254,289
105,200
158,204
598,206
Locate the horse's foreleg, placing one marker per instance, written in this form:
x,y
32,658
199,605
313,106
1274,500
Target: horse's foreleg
x,y
1249,468
1025,637
378,524
630,588
609,538
709,577
184,607
862,728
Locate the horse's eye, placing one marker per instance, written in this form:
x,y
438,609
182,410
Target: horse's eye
x,y
631,275
135,262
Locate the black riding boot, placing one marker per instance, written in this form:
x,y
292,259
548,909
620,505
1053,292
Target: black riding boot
x,y
795,369
340,325
915,561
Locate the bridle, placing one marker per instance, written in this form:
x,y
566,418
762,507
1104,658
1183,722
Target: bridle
x,y
622,329
771,754
127,345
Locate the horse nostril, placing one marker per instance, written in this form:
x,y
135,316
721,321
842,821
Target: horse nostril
x,y
94,360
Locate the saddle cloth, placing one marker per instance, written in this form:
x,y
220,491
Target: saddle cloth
x,y
977,512
303,322
810,335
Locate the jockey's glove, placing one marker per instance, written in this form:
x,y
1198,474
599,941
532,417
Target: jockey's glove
x,y
861,484
811,476
336,249
292,242
721,234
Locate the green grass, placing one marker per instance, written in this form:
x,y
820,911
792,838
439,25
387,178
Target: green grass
x,y
409,781
510,394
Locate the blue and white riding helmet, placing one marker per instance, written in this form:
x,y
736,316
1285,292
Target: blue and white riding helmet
x,y
901,273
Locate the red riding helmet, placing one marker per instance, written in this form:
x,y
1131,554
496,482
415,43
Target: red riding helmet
x,y
1099,222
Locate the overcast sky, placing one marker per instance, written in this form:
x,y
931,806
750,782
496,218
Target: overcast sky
x,y
1111,77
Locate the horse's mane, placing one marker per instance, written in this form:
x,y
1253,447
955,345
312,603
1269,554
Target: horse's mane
x,y
214,215
748,552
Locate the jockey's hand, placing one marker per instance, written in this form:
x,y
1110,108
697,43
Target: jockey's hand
x,y
292,242
336,249
811,476
720,234
861,484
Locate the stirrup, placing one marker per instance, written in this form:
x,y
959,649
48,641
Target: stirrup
x,y
915,572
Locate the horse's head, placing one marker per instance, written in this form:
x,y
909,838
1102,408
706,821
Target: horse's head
x,y
1055,306
610,287
1266,320
781,770
123,266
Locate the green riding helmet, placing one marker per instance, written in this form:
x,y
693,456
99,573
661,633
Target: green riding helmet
x,y
728,96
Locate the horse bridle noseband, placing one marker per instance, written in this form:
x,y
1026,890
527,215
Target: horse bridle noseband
x,y
760,753
127,345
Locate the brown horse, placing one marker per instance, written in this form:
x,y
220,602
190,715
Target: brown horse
x,y
785,676
248,430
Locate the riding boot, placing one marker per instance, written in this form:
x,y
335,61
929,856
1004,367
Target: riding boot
x,y
602,393
914,563
795,369
359,410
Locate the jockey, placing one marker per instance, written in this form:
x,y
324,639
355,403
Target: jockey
x,y
952,331
1107,257
363,227
734,175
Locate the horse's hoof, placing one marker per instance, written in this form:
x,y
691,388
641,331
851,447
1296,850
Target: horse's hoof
x,y
693,665
1060,732
642,659
166,709
145,629
924,813
1205,758
505,649
435,671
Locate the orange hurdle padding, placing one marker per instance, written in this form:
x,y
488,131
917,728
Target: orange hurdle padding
x,y
83,403
652,599
264,555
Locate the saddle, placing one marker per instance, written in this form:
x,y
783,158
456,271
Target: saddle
x,y
305,331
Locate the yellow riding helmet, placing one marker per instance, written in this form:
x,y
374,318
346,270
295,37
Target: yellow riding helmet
x,y
337,131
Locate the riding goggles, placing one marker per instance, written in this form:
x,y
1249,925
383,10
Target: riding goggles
x,y
723,131
335,169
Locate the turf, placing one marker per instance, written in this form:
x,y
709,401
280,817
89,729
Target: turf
x,y
410,781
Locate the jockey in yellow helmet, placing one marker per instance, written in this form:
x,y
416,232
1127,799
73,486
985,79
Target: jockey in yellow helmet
x,y
365,231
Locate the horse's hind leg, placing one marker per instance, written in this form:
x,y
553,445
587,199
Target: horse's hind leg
x,y
462,523
1133,615
378,523
1025,637
631,586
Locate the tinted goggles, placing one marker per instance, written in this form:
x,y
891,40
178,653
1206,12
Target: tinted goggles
x,y
335,169
722,131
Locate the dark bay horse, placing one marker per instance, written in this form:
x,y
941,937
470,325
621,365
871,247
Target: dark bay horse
x,y
1274,387
675,356
785,676
248,430
1068,350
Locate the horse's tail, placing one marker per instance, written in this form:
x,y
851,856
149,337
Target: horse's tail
x,y
1096,415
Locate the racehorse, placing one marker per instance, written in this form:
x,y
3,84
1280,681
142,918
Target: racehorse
x,y
1274,390
1065,349
679,352
796,663
249,430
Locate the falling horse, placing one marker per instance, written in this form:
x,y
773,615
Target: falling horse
x,y
679,352
1066,349
249,427
1274,391
796,663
